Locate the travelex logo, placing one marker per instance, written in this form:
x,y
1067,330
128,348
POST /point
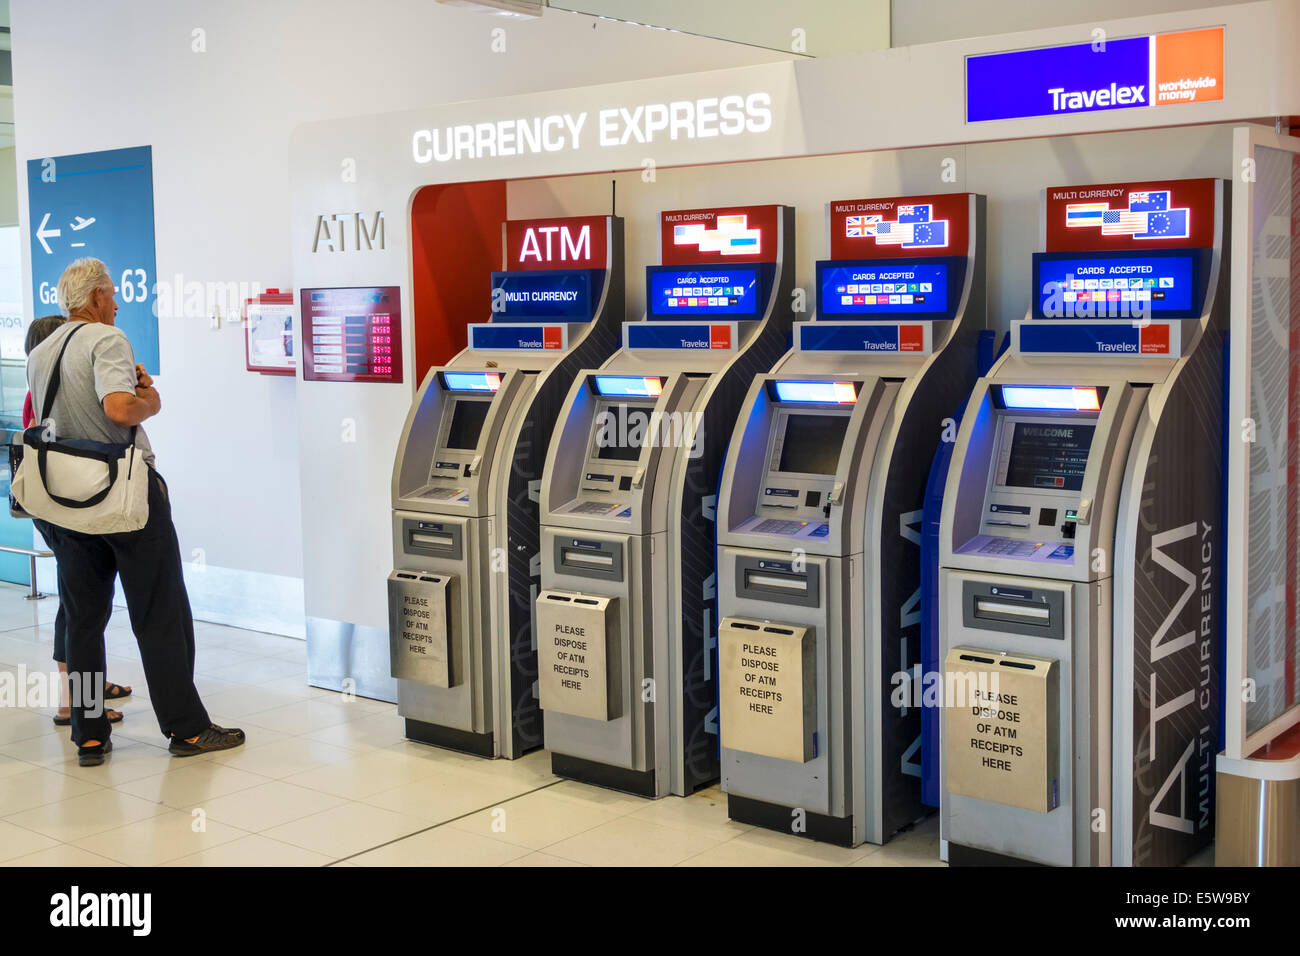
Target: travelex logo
x,y
1160,70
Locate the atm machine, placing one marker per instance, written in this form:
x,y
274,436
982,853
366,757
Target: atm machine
x,y
465,488
1081,583
626,616
819,569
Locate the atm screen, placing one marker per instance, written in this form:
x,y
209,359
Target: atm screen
x,y
1160,285
466,423
880,290
1049,455
812,443
621,430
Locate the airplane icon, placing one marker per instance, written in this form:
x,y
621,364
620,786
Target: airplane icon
x,y
81,223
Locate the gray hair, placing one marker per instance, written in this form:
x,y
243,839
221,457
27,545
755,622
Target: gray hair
x,y
78,281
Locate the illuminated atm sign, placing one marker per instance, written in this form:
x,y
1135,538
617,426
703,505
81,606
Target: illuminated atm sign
x,y
1160,70
574,242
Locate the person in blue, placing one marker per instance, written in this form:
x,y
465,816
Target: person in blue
x,y
103,396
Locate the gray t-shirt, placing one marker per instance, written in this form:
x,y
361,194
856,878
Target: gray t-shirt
x,y
99,362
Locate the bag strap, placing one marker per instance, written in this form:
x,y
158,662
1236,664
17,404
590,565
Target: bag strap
x,y
56,377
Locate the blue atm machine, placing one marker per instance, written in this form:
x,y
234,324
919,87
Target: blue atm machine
x,y
465,530
819,525
1081,580
627,614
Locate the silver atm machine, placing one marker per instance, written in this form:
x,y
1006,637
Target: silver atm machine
x,y
465,488
626,617
819,570
1081,579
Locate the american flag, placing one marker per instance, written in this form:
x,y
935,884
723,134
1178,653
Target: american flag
x,y
893,233
1122,222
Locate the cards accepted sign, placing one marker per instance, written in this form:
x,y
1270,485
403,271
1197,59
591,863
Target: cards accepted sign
x,y
1161,70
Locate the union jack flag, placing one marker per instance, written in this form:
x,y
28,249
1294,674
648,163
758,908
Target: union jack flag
x,y
859,227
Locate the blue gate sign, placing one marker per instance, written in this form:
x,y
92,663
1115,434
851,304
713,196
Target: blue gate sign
x,y
98,204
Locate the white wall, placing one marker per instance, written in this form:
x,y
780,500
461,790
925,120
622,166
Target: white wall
x,y
812,27
92,76
930,21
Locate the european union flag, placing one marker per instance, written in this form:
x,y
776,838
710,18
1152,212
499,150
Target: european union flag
x,y
930,234
1171,224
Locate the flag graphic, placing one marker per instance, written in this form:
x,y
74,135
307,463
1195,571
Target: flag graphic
x,y
1123,222
1084,213
731,236
1148,216
914,228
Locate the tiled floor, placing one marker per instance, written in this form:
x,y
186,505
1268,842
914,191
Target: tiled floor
x,y
323,780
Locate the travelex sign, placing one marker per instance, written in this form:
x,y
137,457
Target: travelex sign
x,y
704,118
1160,70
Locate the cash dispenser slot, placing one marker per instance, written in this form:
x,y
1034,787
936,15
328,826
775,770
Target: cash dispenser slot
x,y
1032,612
580,654
767,687
764,579
436,539
590,558
423,627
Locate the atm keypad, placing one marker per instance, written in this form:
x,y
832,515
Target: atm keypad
x,y
1010,547
777,526
595,508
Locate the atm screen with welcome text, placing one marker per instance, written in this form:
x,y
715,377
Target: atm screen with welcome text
x,y
1049,455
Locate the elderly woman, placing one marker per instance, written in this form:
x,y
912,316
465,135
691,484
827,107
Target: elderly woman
x,y
102,396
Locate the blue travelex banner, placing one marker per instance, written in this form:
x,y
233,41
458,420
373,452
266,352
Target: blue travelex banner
x,y
515,337
101,205
1098,338
859,337
1081,78
687,336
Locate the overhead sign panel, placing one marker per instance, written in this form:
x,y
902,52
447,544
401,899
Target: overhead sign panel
x,y
728,235
1129,73
101,205
905,226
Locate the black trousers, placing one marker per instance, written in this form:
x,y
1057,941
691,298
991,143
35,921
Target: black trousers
x,y
149,563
